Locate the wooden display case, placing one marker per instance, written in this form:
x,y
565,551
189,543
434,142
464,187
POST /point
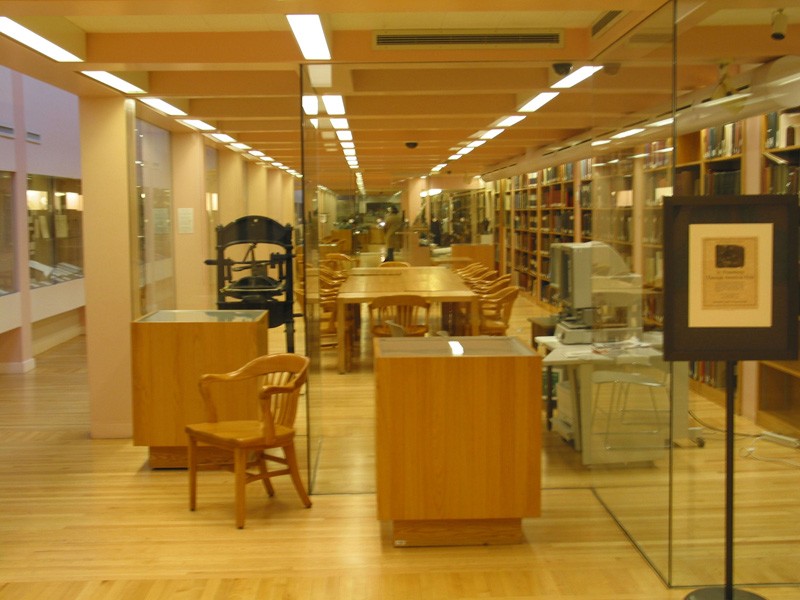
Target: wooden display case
x,y
458,439
171,349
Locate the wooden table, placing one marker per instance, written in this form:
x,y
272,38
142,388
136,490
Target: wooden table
x,y
458,438
435,284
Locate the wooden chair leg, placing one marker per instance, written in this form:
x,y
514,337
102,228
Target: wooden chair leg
x,y
291,462
262,468
192,460
239,470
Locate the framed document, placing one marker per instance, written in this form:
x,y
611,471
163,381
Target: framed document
x,y
731,277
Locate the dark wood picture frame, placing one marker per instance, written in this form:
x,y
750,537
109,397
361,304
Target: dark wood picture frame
x,y
775,339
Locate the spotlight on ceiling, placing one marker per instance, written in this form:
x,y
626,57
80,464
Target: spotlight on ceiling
x,y
779,24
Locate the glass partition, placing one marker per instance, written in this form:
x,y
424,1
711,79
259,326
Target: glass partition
x,y
154,212
55,224
7,280
652,445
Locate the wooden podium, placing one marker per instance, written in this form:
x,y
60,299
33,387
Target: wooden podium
x,y
171,349
458,432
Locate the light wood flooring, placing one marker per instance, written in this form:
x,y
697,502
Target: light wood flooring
x,y
87,519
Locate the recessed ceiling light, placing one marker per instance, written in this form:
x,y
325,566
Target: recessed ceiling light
x,y
115,82
310,36
492,133
576,77
35,42
512,120
163,107
538,101
334,104
196,124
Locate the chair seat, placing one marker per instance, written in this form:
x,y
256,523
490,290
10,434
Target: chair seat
x,y
493,327
231,434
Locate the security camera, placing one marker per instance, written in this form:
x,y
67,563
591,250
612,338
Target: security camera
x,y
779,24
411,145
562,69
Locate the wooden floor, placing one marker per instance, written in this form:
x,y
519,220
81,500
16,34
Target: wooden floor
x,y
87,519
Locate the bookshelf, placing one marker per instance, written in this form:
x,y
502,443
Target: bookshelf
x,y
778,398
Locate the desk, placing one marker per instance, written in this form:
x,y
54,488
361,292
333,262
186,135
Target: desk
x,y
170,350
458,439
580,404
435,284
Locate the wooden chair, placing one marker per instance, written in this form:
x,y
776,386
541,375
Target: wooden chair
x,y
495,311
395,263
282,377
493,286
404,310
338,261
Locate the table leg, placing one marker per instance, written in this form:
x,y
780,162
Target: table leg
x,y
341,332
474,318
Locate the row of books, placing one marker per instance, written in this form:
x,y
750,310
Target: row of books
x,y
723,140
709,372
782,130
723,183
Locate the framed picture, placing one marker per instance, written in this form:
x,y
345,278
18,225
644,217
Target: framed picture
x,y
730,277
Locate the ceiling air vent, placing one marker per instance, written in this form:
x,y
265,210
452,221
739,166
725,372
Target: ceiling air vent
x,y
407,39
604,21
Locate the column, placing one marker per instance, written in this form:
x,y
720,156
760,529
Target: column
x,y
110,259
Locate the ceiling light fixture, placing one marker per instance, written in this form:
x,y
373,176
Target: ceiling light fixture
x,y
340,124
492,133
627,133
197,124
240,146
34,41
223,137
344,135
114,82
310,36
163,107
538,101
575,77
334,104
512,120
311,105
476,143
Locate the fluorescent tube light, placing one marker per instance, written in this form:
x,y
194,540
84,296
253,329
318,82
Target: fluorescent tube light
x,y
600,142
334,104
240,146
347,145
196,124
454,156
662,122
163,107
268,159
308,32
466,150
340,124
344,135
512,120
311,105
575,77
492,133
115,82
35,42
628,133
438,167
538,101
349,151
257,153
223,137
476,143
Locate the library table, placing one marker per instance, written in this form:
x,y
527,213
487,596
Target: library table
x,y
458,438
435,284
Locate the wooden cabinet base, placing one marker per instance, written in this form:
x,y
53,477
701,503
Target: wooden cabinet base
x,y
457,532
174,457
